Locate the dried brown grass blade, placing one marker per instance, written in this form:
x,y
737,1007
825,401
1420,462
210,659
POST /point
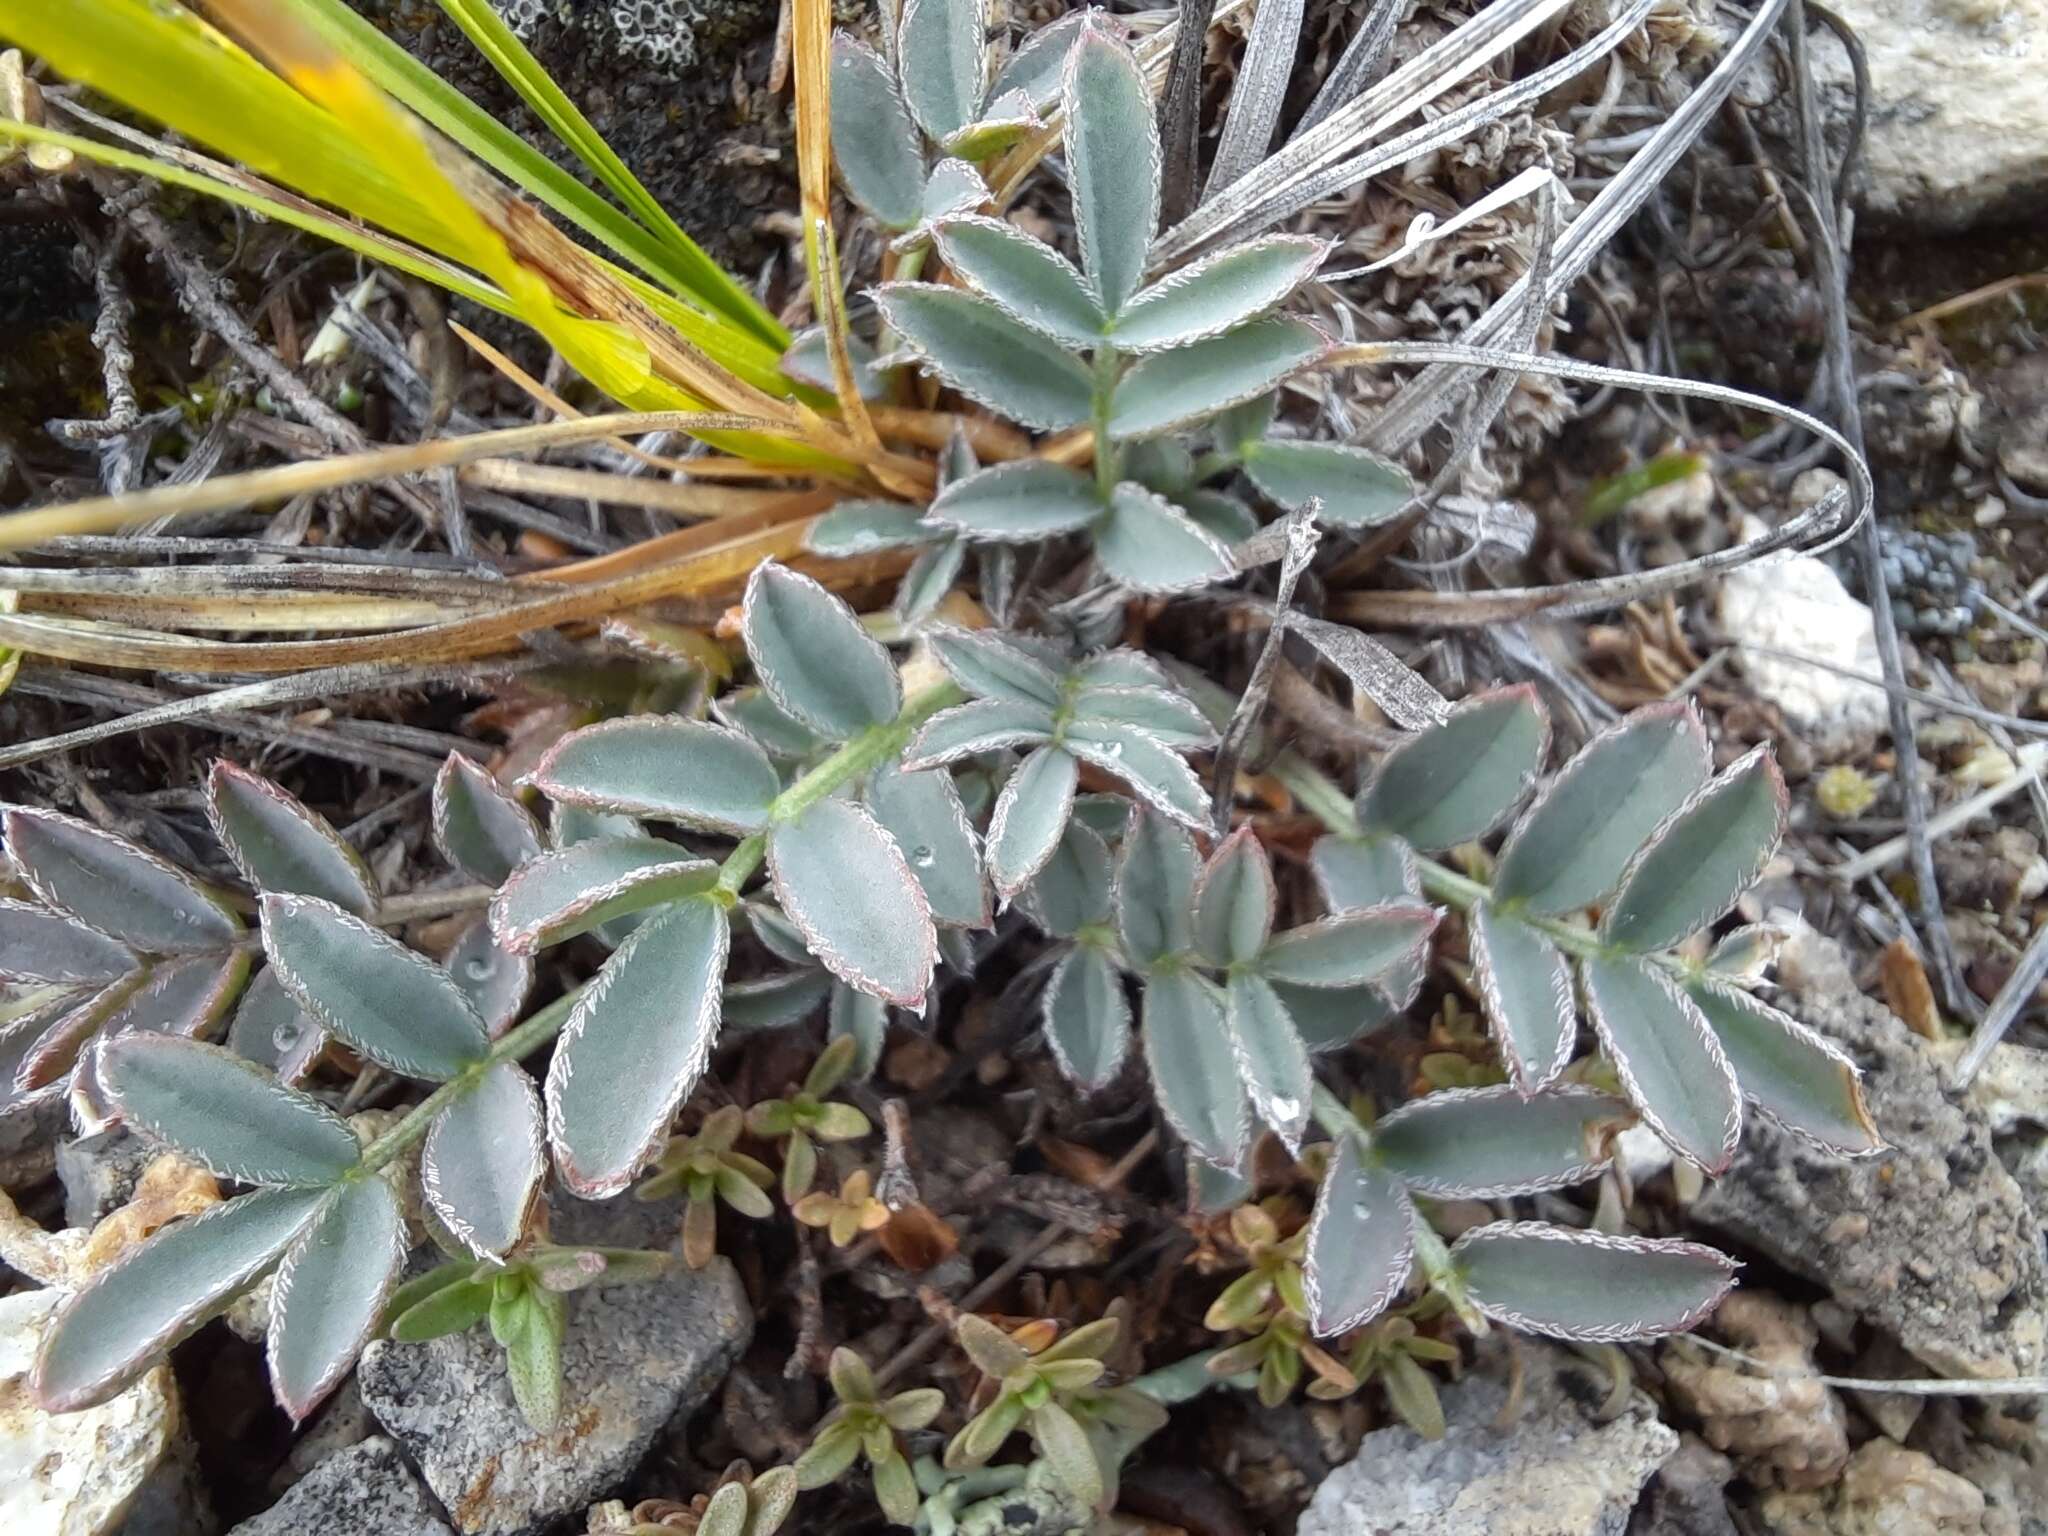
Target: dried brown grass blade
x,y
109,514
811,54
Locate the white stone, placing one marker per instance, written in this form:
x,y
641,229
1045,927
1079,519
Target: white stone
x,y
1549,1467
1799,606
73,1474
1958,126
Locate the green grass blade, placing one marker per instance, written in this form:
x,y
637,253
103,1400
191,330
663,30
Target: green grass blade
x,y
709,283
354,237
448,110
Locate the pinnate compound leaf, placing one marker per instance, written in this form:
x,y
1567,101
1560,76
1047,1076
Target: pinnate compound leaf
x,y
955,187
1193,1066
1037,67
185,996
225,1113
581,887
933,574
1351,487
1030,814
1234,900
1271,1056
1364,871
495,980
1217,293
387,1001
1113,158
1526,985
847,886
1455,781
1025,500
1027,279
1163,715
923,813
1349,949
37,944
778,935
1361,1241
1158,774
990,667
1590,1287
1570,847
984,725
860,527
1491,1143
861,1018
774,1001
114,885
1005,122
634,1046
1795,1076
482,1162
1705,855
1087,1017
873,143
270,1029
813,656
114,1329
1224,516
1166,390
1155,889
1669,1060
1073,890
989,357
754,714
808,360
941,48
663,767
280,845
479,825
1150,545
330,1293
1126,668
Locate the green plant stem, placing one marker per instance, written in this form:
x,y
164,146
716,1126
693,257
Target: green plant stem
x,y
523,1038
869,750
1323,799
1108,457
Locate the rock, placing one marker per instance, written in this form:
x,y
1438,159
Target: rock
x,y
367,1490
1958,128
1688,1496
635,1357
342,1424
2019,391
125,1466
1799,606
1887,1490
1786,1428
100,1172
1555,1471
27,1133
1933,1241
2001,1454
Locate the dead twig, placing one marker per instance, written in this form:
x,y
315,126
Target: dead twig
x,y
1830,262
